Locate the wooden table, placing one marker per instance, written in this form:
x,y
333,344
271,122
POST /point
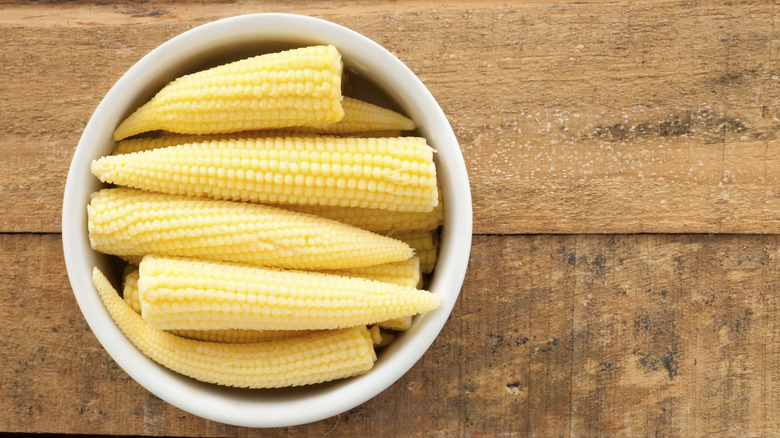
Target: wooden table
x,y
624,159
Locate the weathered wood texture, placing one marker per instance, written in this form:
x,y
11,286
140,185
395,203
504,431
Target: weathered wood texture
x,y
625,335
587,117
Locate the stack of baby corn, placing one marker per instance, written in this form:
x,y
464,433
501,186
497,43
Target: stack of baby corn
x,y
275,231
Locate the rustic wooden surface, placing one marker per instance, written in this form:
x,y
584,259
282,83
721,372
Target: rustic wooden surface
x,y
582,124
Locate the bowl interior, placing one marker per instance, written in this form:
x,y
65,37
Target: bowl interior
x,y
378,77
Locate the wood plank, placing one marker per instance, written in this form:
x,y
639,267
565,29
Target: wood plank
x,y
668,335
573,118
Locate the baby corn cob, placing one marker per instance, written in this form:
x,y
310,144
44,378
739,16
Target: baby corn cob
x,y
425,245
387,173
130,295
138,144
360,116
404,273
129,222
182,294
314,358
299,87
235,336
378,221
130,291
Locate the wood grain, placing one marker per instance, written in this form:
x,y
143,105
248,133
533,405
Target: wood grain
x,y
623,335
573,118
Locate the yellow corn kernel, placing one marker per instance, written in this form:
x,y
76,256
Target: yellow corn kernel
x,y
130,295
425,245
129,222
387,173
315,358
299,87
187,294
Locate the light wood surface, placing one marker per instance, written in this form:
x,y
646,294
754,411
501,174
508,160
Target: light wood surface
x,y
623,159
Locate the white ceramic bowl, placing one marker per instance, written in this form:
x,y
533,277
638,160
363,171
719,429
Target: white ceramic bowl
x,y
226,40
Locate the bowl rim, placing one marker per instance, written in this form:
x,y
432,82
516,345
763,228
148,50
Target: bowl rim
x,y
235,406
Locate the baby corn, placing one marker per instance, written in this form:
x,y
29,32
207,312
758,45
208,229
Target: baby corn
x,y
129,222
138,144
386,173
404,273
299,87
235,336
130,295
360,116
376,220
425,245
310,359
361,119
379,221
183,294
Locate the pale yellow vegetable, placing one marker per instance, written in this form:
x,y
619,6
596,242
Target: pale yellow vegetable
x,y
186,294
138,144
360,116
299,87
235,336
315,358
130,295
129,222
406,273
372,219
425,245
386,173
